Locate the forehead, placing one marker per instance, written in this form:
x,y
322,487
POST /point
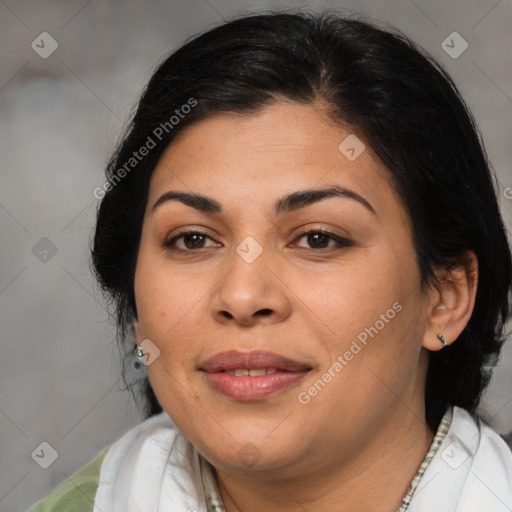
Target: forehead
x,y
283,147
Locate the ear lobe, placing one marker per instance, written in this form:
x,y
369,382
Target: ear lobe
x,y
452,301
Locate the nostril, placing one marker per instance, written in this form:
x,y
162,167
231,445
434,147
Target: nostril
x,y
261,312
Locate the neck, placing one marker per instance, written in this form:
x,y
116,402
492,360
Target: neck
x,y
372,479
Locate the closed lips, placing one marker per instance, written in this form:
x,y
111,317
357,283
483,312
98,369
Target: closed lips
x,y
255,363
251,376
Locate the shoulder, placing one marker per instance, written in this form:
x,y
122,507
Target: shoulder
x,y
77,492
490,446
472,470
489,480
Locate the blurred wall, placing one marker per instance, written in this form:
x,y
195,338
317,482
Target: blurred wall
x,y
64,97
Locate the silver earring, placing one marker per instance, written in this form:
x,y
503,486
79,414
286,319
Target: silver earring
x,y
442,340
138,352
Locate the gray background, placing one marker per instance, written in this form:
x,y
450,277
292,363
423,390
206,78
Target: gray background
x,y
59,120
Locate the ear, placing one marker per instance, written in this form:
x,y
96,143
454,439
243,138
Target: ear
x,y
452,301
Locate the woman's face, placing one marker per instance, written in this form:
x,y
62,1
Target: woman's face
x,y
330,326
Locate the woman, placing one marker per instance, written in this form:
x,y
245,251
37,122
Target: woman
x,y
300,233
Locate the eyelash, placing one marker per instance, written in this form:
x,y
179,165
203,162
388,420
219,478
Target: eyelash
x,y
339,241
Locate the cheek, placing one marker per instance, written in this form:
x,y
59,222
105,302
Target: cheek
x,y
376,320
164,293
355,298
165,303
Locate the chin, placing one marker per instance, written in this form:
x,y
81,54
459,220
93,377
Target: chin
x,y
247,457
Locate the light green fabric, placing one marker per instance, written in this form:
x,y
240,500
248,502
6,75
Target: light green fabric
x,y
76,493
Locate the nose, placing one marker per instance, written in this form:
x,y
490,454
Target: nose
x,y
250,293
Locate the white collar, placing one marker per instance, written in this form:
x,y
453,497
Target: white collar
x,y
154,468
471,471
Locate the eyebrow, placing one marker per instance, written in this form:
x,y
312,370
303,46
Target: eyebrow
x,y
288,203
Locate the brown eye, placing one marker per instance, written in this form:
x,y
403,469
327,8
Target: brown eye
x,y
318,239
192,240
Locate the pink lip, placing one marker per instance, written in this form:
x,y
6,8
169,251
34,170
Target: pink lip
x,y
251,388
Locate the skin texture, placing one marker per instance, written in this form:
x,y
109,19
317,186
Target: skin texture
x,y
300,300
